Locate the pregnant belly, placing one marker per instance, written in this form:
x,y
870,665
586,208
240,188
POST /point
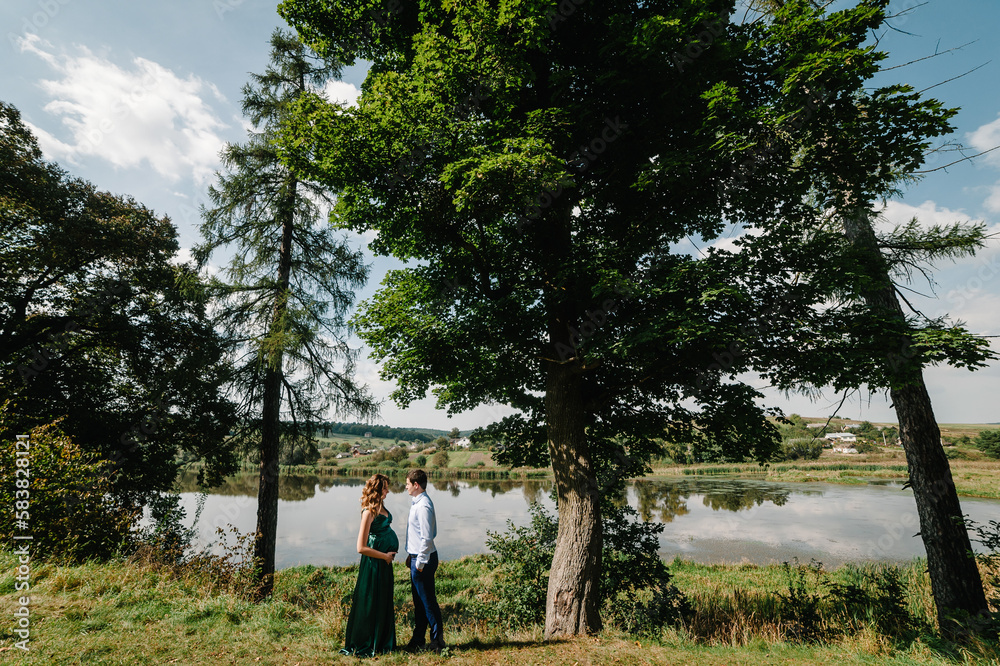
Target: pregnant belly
x,y
386,543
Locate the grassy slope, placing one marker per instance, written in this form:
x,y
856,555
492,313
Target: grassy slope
x,y
139,613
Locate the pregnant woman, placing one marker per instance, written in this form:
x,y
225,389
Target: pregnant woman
x,y
371,626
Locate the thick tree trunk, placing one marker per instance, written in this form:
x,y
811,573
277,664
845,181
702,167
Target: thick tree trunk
x,y
572,606
955,581
267,491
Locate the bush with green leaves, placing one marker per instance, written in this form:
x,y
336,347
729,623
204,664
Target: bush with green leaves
x,y
51,490
440,459
866,446
517,593
420,460
988,441
298,450
637,593
802,449
166,534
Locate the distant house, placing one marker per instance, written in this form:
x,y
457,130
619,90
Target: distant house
x,y
368,434
842,437
461,443
843,448
815,425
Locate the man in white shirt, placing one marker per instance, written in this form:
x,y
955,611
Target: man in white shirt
x,y
422,559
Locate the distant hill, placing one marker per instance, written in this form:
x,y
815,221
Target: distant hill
x,y
380,431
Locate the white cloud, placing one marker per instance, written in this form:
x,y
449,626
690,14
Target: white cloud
x,y
129,116
992,202
183,256
985,137
342,92
928,213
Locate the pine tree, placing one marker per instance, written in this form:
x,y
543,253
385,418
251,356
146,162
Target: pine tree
x,y
283,296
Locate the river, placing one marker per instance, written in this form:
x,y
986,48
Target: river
x,y
706,520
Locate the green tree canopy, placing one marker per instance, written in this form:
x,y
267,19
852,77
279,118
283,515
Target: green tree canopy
x,y
555,173
100,325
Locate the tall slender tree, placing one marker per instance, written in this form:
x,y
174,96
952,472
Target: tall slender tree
x,y
284,294
852,155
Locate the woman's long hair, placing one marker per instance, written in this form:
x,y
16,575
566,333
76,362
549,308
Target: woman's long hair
x,y
371,496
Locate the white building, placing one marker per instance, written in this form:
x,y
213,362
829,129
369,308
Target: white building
x,y
842,437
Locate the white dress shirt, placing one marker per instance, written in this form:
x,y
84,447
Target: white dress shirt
x,y
421,528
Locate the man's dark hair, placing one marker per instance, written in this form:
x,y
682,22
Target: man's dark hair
x,y
417,476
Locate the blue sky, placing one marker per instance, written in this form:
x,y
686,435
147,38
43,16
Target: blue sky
x,y
139,97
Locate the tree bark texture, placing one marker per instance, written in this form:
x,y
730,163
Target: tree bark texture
x,y
267,491
572,606
956,584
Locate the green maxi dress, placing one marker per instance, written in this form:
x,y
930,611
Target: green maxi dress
x,y
371,625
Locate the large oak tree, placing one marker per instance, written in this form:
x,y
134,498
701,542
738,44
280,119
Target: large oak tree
x,y
553,169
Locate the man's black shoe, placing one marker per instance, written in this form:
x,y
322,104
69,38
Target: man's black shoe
x,y
414,645
436,644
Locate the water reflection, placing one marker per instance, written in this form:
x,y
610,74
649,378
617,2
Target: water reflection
x,y
666,500
706,520
302,487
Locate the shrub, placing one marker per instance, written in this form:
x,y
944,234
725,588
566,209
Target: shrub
x,y
988,441
68,510
802,449
866,446
420,461
298,451
877,597
638,595
440,459
166,536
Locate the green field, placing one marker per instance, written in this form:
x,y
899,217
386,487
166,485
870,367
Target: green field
x,y
137,611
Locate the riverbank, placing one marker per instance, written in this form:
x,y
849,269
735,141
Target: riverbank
x,y
140,612
974,474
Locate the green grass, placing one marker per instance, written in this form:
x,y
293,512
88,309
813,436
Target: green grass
x,y
139,612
